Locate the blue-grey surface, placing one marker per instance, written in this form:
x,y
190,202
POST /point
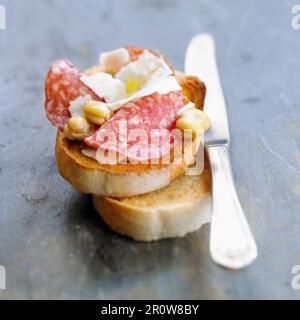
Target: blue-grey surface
x,y
52,242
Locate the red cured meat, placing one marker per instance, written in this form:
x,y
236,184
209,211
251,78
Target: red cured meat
x,y
62,86
134,52
154,112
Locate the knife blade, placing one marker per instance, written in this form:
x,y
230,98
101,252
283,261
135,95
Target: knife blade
x,y
232,244
201,62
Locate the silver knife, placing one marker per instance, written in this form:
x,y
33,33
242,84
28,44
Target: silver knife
x,y
231,242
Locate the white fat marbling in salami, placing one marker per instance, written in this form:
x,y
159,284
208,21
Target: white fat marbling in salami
x,y
62,86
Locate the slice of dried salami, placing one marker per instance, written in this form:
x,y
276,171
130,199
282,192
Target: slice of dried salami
x,y
62,86
132,130
134,52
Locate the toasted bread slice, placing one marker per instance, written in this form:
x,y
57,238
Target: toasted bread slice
x,y
173,211
121,180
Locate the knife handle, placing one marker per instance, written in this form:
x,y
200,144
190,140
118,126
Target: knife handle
x,y
231,242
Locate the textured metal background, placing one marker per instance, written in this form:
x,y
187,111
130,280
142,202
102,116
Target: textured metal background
x,y
54,245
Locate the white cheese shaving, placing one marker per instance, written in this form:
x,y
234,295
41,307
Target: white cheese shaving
x,y
77,104
147,68
105,86
163,87
91,153
137,79
114,60
188,106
